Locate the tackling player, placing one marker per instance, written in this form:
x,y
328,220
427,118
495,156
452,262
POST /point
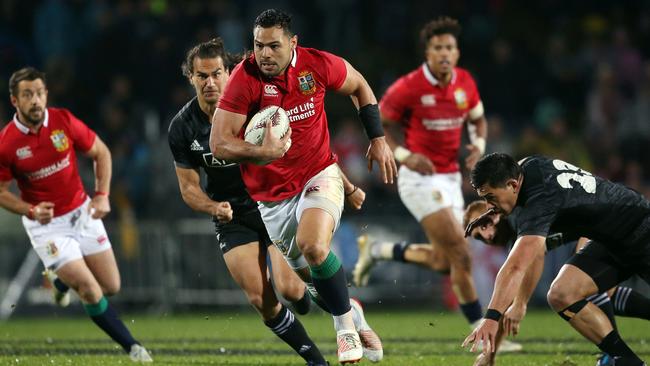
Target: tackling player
x,y
492,229
299,191
38,149
552,196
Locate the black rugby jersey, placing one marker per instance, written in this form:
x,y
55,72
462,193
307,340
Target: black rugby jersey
x,y
557,197
189,136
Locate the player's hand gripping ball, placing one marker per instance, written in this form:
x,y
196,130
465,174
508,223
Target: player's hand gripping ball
x,y
278,118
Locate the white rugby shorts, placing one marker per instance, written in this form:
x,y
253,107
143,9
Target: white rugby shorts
x,y
67,237
424,195
281,218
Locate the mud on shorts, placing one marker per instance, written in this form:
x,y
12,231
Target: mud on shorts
x,y
281,218
68,237
424,195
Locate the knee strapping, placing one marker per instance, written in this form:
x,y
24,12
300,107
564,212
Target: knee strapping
x,y
572,310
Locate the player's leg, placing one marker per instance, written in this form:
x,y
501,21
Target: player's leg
x,y
79,277
61,253
104,267
247,266
630,303
370,252
444,231
287,283
588,272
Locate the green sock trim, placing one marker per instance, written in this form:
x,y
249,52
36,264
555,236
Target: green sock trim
x,y
327,269
97,309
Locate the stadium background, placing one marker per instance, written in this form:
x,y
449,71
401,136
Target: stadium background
x,y
569,79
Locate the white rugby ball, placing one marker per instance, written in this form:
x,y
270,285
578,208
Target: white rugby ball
x,y
279,119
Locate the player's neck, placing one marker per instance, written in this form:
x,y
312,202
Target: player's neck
x,y
207,108
443,79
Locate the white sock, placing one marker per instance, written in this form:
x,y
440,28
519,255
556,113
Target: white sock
x,y
344,321
359,320
382,251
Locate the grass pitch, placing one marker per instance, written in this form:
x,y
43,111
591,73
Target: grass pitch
x,y
239,338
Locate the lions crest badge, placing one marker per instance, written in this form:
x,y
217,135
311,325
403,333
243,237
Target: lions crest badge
x,y
306,82
52,249
461,98
59,140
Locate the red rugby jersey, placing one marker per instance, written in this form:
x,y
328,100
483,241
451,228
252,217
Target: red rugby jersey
x,y
301,92
45,164
432,115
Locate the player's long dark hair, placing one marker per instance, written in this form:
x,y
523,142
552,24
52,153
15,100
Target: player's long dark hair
x,y
210,49
495,169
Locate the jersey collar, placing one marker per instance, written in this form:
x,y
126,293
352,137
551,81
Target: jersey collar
x,y
432,79
24,129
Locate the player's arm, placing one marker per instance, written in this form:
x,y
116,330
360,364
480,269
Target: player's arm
x,y
42,212
517,310
189,182
477,129
226,144
356,86
101,155
354,195
526,251
507,285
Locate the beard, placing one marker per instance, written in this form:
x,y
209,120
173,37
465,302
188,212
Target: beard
x,y
33,116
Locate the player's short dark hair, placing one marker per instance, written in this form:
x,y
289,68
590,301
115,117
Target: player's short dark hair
x,y
274,18
438,26
210,49
26,73
495,169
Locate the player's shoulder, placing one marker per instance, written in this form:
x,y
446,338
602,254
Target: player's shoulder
x,y
6,132
309,54
183,116
463,75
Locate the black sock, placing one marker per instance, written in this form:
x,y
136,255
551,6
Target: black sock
x,y
398,251
62,287
630,303
614,346
316,298
289,329
329,280
302,306
472,311
106,318
603,302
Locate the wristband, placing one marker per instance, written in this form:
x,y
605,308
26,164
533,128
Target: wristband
x,y
369,115
101,193
354,190
401,153
30,213
480,143
492,314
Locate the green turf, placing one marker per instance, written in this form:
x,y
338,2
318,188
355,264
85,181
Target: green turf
x,y
410,338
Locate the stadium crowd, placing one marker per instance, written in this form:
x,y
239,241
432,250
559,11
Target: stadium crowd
x,y
556,78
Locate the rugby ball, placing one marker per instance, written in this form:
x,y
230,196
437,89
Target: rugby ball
x,y
256,127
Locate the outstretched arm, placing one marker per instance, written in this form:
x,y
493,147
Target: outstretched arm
x,y
506,287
